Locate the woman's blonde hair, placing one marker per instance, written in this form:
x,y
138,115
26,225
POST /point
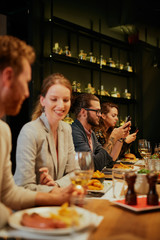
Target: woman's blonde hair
x,y
51,80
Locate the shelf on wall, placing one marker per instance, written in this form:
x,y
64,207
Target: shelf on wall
x,y
89,65
112,99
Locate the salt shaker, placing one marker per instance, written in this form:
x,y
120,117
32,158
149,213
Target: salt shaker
x,y
130,197
152,196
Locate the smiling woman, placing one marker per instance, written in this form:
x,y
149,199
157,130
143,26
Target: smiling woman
x,y
45,147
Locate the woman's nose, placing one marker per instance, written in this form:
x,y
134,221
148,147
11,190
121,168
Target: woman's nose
x,y
60,103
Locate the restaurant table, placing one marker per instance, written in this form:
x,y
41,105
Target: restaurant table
x,y
120,223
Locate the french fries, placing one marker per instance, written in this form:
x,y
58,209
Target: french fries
x,y
95,184
98,174
68,215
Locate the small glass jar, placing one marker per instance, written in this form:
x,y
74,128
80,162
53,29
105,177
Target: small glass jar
x,y
115,93
111,63
74,86
82,55
67,52
128,67
56,49
126,94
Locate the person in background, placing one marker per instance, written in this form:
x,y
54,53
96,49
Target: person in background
x,y
45,146
87,110
116,140
16,58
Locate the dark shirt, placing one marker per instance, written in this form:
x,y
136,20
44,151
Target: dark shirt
x,y
100,156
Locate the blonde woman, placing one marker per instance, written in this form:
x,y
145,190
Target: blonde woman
x,y
45,150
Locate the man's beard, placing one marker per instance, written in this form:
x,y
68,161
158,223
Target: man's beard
x,y
91,120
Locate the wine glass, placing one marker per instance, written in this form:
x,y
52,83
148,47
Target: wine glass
x,y
81,175
144,148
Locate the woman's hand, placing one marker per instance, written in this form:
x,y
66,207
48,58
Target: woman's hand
x,y
130,138
121,132
45,177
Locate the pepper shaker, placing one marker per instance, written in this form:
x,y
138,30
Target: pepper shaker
x,y
152,196
130,197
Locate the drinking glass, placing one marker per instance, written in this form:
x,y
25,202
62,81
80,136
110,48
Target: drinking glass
x,y
118,183
144,148
81,176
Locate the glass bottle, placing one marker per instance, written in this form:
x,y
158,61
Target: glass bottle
x,y
67,52
126,94
57,49
74,86
115,93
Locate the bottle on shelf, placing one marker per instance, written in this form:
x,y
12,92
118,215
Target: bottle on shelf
x,y
111,63
82,55
128,67
74,86
90,89
126,94
91,58
119,65
68,119
57,49
78,87
67,52
115,93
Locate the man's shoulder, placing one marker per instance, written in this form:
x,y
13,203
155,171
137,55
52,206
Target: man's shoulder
x,y
4,127
5,131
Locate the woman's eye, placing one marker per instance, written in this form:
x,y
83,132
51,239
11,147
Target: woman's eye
x,y
66,100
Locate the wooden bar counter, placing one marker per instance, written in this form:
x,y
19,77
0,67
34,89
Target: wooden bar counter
x,y
122,224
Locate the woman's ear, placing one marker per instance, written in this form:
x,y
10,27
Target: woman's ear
x,y
103,116
42,100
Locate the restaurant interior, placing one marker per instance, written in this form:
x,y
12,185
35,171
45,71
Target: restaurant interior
x,y
123,31
110,49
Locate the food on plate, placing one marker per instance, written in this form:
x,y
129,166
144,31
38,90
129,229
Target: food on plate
x,y
95,184
155,156
98,174
35,220
122,166
143,171
64,218
129,156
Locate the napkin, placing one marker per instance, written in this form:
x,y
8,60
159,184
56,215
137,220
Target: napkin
x,y
95,220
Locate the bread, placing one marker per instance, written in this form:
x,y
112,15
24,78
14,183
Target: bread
x,y
130,156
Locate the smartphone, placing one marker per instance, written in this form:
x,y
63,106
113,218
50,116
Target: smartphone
x,y
128,119
137,130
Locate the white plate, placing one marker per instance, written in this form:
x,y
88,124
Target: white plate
x,y
15,218
107,186
135,168
127,161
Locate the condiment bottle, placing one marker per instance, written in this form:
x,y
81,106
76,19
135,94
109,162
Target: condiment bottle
x,y
152,196
130,197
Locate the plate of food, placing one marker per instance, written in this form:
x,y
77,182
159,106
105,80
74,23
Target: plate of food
x,y
125,167
50,220
141,205
129,158
96,186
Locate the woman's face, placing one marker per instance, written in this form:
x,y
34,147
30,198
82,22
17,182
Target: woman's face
x,y
110,119
57,102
